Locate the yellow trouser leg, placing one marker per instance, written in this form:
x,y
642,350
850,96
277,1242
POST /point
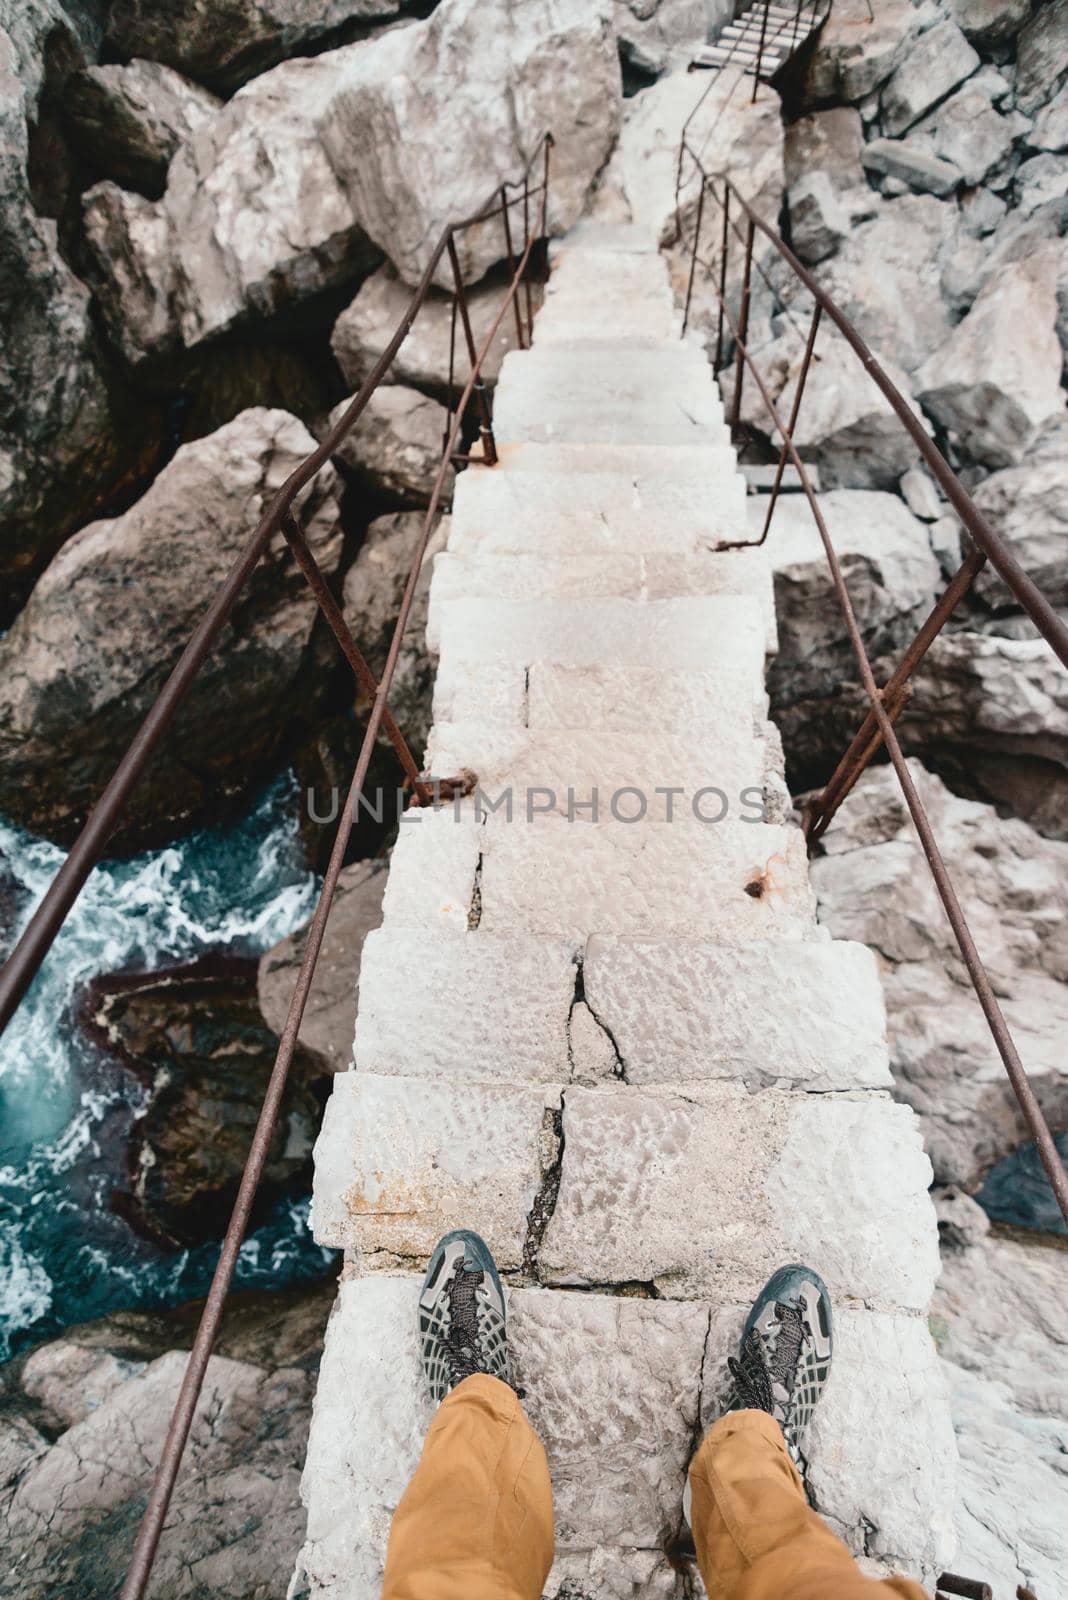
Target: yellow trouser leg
x,y
757,1537
476,1521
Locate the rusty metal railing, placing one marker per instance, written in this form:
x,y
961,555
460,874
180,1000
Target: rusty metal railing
x,y
530,199
886,703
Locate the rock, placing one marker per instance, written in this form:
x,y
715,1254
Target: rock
x,y
845,426
1028,507
981,211
996,379
826,141
543,65
1016,1191
326,1031
364,329
651,33
990,23
858,48
912,165
888,566
1042,56
872,885
962,1222
256,183
244,1458
198,1039
897,259
225,47
1050,131
1039,182
920,495
130,120
374,585
109,618
61,447
934,64
818,219
395,448
966,131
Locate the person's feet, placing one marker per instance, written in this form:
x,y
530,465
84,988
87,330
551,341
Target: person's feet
x,y
785,1354
461,1315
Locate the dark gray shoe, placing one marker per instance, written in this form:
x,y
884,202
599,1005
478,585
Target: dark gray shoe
x,y
461,1315
785,1354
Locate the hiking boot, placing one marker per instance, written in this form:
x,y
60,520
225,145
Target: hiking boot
x,y
461,1315
785,1354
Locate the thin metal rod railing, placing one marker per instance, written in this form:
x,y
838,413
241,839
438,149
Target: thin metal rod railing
x,y
886,704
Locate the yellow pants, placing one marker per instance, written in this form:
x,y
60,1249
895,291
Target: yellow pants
x,y
476,1521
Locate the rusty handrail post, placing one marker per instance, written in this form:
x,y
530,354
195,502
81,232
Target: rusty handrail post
x,y
693,258
351,650
795,410
724,247
510,256
743,329
760,53
528,299
821,810
485,427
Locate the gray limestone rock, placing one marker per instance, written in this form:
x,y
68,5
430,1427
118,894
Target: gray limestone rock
x,y
996,379
1050,131
990,23
912,164
981,211
859,47
223,46
826,141
129,120
1028,507
933,65
1042,56
395,447
80,668
967,131
653,33
818,219
1040,182
872,885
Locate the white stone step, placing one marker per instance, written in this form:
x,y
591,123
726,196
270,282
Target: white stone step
x,y
624,461
629,576
488,1007
512,763
837,1181
597,295
668,1364
518,509
631,238
725,881
615,395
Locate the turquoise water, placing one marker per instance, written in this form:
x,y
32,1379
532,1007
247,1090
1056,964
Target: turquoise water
x,y
65,1109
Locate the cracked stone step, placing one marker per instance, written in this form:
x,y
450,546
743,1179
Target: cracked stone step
x,y
513,763
488,1007
619,575
562,515
371,1414
628,237
592,295
701,1189
625,462
617,395
732,881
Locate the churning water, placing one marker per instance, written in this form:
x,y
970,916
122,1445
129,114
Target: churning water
x,y
65,1256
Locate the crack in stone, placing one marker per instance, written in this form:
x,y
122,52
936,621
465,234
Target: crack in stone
x,y
540,1214
678,1545
474,910
580,997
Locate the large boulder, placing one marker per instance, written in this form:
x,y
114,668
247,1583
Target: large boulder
x,y
196,1038
990,23
224,45
967,131
402,113
858,48
1042,56
244,1458
107,621
129,120
653,34
1028,506
996,379
934,65
60,446
363,330
394,449
909,163
826,141
845,426
329,1021
873,885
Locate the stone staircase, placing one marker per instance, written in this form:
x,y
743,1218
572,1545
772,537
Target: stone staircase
x,y
624,1051
764,36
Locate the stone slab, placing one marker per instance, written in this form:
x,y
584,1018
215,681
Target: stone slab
x,y
678,459
629,698
772,1013
838,1182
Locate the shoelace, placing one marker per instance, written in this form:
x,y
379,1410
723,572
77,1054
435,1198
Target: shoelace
x,y
756,1370
464,1354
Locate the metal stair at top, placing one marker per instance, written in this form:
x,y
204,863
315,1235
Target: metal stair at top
x,y
764,37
